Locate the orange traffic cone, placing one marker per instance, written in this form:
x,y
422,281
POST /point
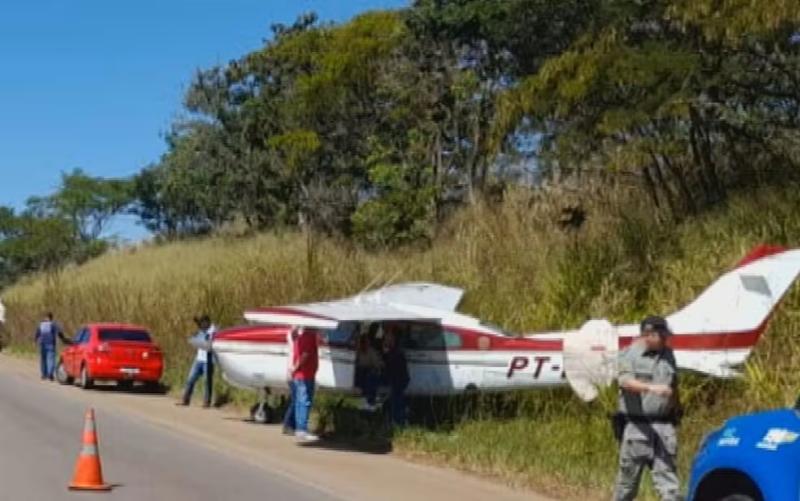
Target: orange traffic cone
x,y
88,472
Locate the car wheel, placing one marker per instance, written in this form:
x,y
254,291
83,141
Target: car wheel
x,y
85,382
61,374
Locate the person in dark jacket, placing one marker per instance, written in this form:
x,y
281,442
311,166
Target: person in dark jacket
x,y
396,374
47,333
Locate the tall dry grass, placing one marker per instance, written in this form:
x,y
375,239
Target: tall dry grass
x,y
520,270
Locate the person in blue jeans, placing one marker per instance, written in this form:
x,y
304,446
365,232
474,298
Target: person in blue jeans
x,y
46,336
289,421
303,372
203,364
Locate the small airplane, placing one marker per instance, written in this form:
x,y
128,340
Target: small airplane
x,y
452,353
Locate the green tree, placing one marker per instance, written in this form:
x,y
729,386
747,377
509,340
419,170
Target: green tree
x,y
88,203
673,95
29,243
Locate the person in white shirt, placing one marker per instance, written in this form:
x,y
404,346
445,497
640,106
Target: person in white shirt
x,y
203,363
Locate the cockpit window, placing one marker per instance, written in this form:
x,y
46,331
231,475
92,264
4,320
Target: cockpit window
x,y
343,334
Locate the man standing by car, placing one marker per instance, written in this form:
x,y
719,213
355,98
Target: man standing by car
x,y
46,335
648,382
203,363
304,373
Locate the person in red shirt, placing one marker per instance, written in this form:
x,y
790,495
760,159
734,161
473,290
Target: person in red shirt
x,y
304,372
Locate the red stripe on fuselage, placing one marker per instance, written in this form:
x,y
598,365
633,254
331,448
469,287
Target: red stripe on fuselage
x,y
470,339
254,334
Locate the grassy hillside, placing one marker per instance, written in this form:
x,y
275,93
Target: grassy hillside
x,y
520,270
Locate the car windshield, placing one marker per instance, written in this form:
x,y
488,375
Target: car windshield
x,y
124,335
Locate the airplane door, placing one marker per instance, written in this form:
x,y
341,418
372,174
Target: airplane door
x,y
430,368
337,357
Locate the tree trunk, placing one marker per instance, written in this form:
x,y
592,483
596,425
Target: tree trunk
x,y
666,189
650,186
683,186
700,144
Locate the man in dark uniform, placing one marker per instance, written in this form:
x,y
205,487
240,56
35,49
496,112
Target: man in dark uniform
x,y
648,381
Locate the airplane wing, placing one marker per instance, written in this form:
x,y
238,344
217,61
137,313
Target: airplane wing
x,y
428,295
396,302
328,315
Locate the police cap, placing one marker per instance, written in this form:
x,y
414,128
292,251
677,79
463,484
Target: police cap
x,y
656,324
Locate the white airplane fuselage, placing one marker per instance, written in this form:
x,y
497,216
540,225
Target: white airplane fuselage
x,y
257,357
450,353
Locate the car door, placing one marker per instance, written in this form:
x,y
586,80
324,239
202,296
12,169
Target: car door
x,y
76,351
68,353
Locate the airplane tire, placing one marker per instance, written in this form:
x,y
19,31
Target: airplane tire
x,y
261,413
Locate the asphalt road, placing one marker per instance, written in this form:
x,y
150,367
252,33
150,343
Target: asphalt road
x,y
40,438
153,451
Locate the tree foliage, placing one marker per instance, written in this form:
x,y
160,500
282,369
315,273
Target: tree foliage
x,y
691,99
377,128
66,226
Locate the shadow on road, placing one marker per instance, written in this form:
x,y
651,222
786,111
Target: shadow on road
x,y
370,446
142,389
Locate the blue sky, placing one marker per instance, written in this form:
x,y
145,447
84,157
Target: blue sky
x,y
95,83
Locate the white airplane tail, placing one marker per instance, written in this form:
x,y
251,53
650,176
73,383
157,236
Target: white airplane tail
x,y
714,334
717,331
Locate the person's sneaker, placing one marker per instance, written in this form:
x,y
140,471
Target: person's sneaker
x,y
304,436
288,431
182,404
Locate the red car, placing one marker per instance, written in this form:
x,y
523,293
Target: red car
x,y
111,352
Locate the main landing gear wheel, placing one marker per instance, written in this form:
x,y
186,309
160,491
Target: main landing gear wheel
x,y
261,413
61,374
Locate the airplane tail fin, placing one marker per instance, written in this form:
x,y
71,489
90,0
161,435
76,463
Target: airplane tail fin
x,y
714,334
717,331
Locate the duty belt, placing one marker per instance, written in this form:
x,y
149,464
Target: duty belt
x,y
650,419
